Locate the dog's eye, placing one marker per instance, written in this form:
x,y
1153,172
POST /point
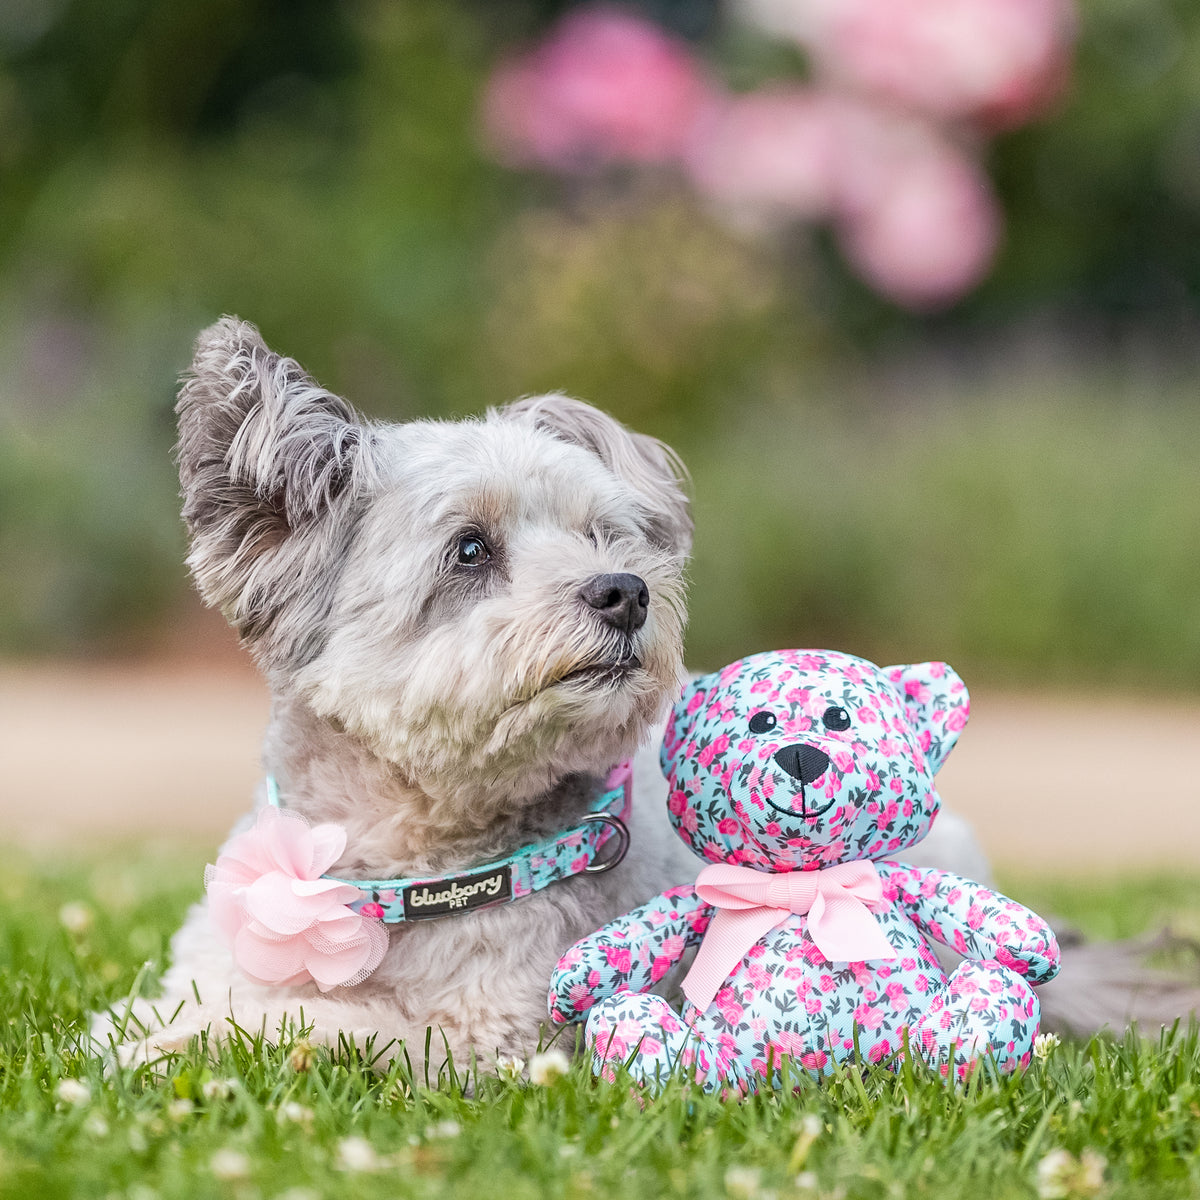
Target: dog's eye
x,y
472,551
836,719
762,722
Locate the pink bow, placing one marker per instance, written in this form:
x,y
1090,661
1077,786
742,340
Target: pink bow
x,y
749,903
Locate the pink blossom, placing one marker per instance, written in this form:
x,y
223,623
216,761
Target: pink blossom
x,y
768,154
604,86
916,215
618,958
998,61
284,922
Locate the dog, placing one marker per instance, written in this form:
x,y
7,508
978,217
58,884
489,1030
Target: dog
x,y
464,627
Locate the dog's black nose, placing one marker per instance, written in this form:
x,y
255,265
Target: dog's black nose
x,y
805,763
622,600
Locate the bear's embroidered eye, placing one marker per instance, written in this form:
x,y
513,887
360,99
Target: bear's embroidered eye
x,y
762,722
472,551
836,719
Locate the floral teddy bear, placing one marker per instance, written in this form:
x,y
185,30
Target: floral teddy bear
x,y
800,775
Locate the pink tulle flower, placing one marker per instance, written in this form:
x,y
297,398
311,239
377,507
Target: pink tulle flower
x,y
283,922
604,86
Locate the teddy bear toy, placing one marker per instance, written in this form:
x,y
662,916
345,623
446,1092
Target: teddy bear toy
x,y
799,776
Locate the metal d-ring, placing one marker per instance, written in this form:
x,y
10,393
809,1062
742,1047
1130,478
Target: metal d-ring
x,y
622,832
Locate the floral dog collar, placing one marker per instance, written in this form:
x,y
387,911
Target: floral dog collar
x,y
529,869
287,922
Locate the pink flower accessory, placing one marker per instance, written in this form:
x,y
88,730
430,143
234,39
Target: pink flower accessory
x,y
749,903
284,923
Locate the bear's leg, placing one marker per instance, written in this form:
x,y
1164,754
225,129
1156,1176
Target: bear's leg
x,y
983,1010
654,1041
642,1031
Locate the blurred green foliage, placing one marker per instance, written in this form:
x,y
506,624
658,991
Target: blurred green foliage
x,y
314,166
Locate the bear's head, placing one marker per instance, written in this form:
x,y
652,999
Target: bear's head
x,y
799,759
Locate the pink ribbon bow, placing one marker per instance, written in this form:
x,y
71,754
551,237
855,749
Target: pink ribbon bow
x,y
749,903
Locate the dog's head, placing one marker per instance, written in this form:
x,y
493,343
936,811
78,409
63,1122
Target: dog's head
x,y
796,759
488,604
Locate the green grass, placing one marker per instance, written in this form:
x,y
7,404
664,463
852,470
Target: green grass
x,y
258,1120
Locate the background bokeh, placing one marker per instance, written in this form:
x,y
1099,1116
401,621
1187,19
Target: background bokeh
x,y
993,461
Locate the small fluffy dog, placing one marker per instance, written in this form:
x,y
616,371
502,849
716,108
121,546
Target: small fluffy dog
x,y
464,627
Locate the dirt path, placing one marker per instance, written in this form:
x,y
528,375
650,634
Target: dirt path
x,y
171,749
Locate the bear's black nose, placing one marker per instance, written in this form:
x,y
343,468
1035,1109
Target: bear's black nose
x,y
805,763
621,600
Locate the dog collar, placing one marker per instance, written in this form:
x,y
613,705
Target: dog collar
x,y
529,869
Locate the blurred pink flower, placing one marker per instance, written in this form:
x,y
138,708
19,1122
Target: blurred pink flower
x,y
996,61
916,214
284,922
604,86
767,154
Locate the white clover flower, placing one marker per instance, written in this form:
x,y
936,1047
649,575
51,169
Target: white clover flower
x,y
1060,1174
811,1128
547,1067
296,1113
1091,1172
228,1163
445,1129
806,1181
357,1154
742,1183
73,1091
179,1110
96,1125
301,1056
1045,1044
510,1068
76,917
217,1089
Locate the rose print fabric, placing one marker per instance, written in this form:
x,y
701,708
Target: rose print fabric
x,y
799,760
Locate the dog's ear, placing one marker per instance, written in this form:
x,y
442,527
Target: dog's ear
x,y
272,467
936,705
650,467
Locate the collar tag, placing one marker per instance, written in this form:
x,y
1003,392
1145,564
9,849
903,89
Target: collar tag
x,y
459,893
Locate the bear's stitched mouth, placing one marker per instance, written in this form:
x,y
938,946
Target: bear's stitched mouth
x,y
806,810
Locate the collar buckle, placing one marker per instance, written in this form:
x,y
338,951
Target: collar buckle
x,y
621,830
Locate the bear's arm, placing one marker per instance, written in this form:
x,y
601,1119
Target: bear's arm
x,y
973,920
629,954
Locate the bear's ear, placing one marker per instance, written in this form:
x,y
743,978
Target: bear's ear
x,y
682,719
936,705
